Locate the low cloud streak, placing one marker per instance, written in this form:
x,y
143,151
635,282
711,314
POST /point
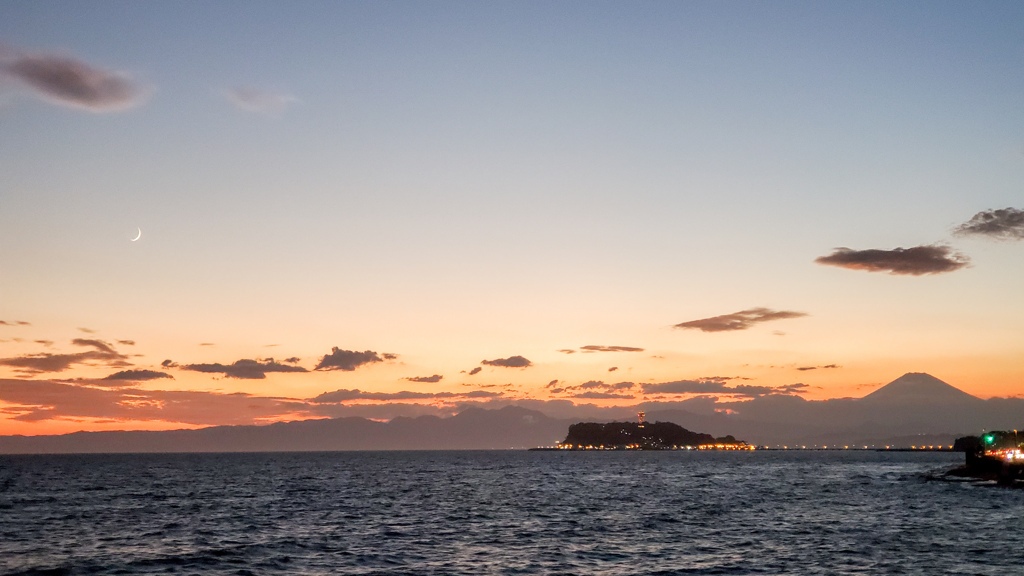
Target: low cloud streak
x,y
741,320
596,348
425,379
103,354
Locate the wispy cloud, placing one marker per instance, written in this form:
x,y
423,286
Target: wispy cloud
x,y
510,362
14,323
741,320
825,367
434,378
349,360
475,371
259,101
1003,224
67,81
97,344
246,369
915,261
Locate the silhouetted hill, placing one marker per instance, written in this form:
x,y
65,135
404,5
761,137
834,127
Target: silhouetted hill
x,y
510,427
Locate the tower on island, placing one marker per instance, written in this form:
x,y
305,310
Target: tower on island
x,y
640,418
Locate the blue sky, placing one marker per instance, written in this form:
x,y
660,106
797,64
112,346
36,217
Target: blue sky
x,y
450,181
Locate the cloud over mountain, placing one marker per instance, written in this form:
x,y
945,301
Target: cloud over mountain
x,y
1003,224
349,360
915,261
70,82
741,320
510,362
245,369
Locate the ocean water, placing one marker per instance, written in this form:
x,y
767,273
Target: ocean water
x,y
504,513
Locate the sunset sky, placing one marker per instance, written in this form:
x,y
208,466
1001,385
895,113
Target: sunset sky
x,y
382,208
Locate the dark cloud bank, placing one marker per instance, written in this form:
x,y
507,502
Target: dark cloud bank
x,y
916,261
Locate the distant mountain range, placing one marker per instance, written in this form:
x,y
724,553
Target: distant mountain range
x,y
914,409
474,428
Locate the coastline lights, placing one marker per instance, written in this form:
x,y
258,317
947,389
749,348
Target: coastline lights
x,y
560,446
726,447
1008,454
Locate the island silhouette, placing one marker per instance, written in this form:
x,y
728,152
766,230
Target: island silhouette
x,y
642,436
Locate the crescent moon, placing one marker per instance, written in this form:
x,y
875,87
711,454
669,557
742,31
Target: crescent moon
x,y
139,236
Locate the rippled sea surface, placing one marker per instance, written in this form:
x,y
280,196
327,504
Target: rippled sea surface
x,y
503,513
